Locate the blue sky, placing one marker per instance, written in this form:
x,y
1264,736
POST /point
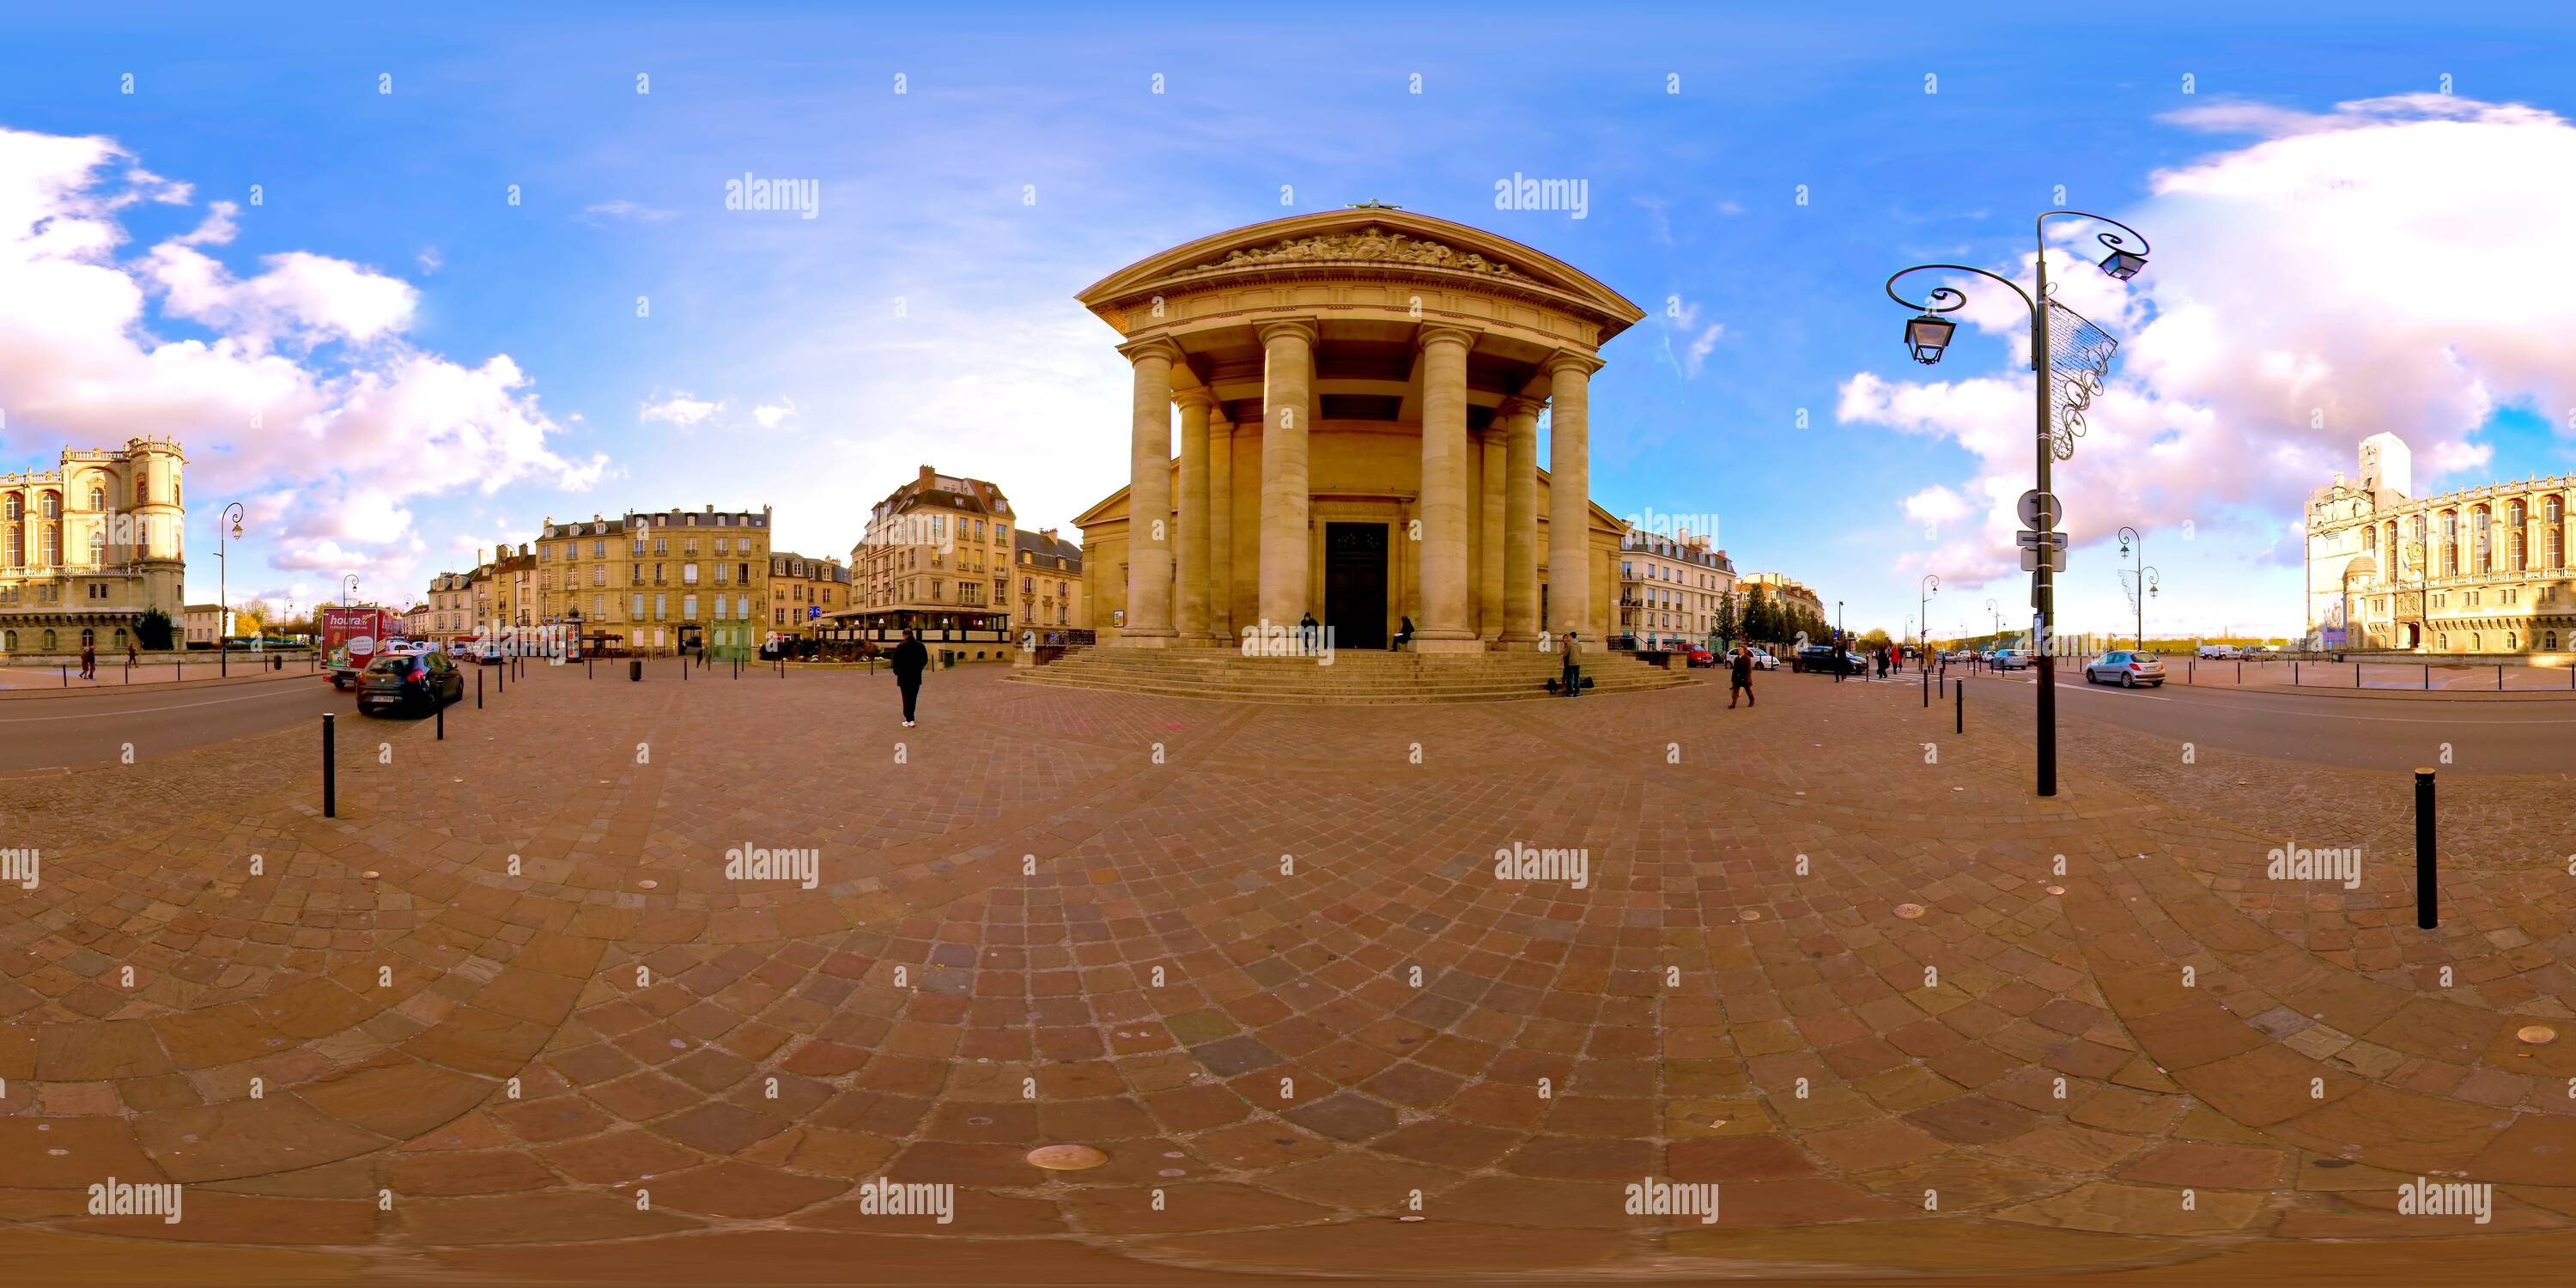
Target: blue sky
x,y
482,365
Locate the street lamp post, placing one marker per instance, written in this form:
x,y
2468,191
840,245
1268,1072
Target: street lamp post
x,y
348,588
1840,642
229,521
1928,333
1930,584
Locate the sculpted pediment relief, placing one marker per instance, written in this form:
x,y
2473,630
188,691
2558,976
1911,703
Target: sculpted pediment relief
x,y
1370,243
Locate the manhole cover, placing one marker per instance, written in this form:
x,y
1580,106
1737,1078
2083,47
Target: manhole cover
x,y
2538,1034
648,885
1067,1158
372,874
1749,914
2057,889
1909,911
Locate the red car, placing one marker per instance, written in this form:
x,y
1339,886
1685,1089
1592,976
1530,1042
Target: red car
x,y
1701,657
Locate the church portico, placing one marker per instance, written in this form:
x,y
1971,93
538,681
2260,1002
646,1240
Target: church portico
x,y
1358,395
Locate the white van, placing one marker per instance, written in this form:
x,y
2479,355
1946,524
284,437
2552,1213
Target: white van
x,y
2219,653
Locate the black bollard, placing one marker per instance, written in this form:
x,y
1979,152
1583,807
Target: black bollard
x,y
2356,675
330,771
2428,675
478,688
2427,897
2499,677
501,682
1959,707
442,718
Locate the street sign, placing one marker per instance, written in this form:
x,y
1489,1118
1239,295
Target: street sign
x,y
813,611
2026,540
2030,558
2041,510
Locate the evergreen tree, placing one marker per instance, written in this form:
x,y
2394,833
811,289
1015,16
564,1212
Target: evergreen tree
x,y
152,630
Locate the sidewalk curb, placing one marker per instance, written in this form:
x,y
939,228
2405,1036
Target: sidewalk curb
x,y
2401,695
165,686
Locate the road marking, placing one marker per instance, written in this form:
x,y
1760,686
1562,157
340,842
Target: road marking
x,y
144,711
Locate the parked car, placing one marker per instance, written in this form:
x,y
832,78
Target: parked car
x,y
2012,659
1699,657
1822,658
2219,653
411,681
2125,668
1763,661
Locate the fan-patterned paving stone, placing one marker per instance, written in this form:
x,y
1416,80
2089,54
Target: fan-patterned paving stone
x,y
1261,958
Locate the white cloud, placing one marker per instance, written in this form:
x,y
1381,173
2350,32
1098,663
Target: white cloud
x,y
2368,269
1697,341
623,211
679,409
327,454
770,415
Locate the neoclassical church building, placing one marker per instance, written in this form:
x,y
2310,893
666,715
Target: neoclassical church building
x,y
1358,397
2479,570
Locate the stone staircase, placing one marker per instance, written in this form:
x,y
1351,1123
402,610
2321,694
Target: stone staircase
x,y
1354,678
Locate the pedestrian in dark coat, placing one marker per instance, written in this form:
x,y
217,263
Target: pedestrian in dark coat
x,y
1573,680
89,661
910,659
1740,676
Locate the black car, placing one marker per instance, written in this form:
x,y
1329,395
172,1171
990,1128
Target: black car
x,y
418,681
1820,659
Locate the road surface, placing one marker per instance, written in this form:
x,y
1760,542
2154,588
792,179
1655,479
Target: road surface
x,y
94,728
2361,733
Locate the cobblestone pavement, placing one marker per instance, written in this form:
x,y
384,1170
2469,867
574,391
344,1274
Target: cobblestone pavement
x,y
1260,957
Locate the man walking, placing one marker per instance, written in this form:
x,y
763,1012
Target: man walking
x,y
1740,677
1573,678
89,661
910,660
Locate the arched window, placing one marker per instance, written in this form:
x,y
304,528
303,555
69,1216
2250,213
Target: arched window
x,y
2370,540
2512,641
2549,642
53,506
2473,641
17,507
98,547
97,498
49,641
120,637
2517,549
2450,543
17,548
53,547
89,638
2554,512
2482,540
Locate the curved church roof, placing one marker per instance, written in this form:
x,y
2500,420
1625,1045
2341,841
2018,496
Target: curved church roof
x,y
1375,237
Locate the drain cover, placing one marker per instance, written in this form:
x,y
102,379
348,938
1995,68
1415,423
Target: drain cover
x,y
1909,911
2538,1034
1067,1158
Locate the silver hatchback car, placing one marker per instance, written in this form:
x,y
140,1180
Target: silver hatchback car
x,y
2126,669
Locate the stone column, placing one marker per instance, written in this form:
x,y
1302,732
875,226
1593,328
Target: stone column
x,y
1287,386
1569,517
1190,590
1220,528
1444,626
1489,517
1149,497
1519,417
